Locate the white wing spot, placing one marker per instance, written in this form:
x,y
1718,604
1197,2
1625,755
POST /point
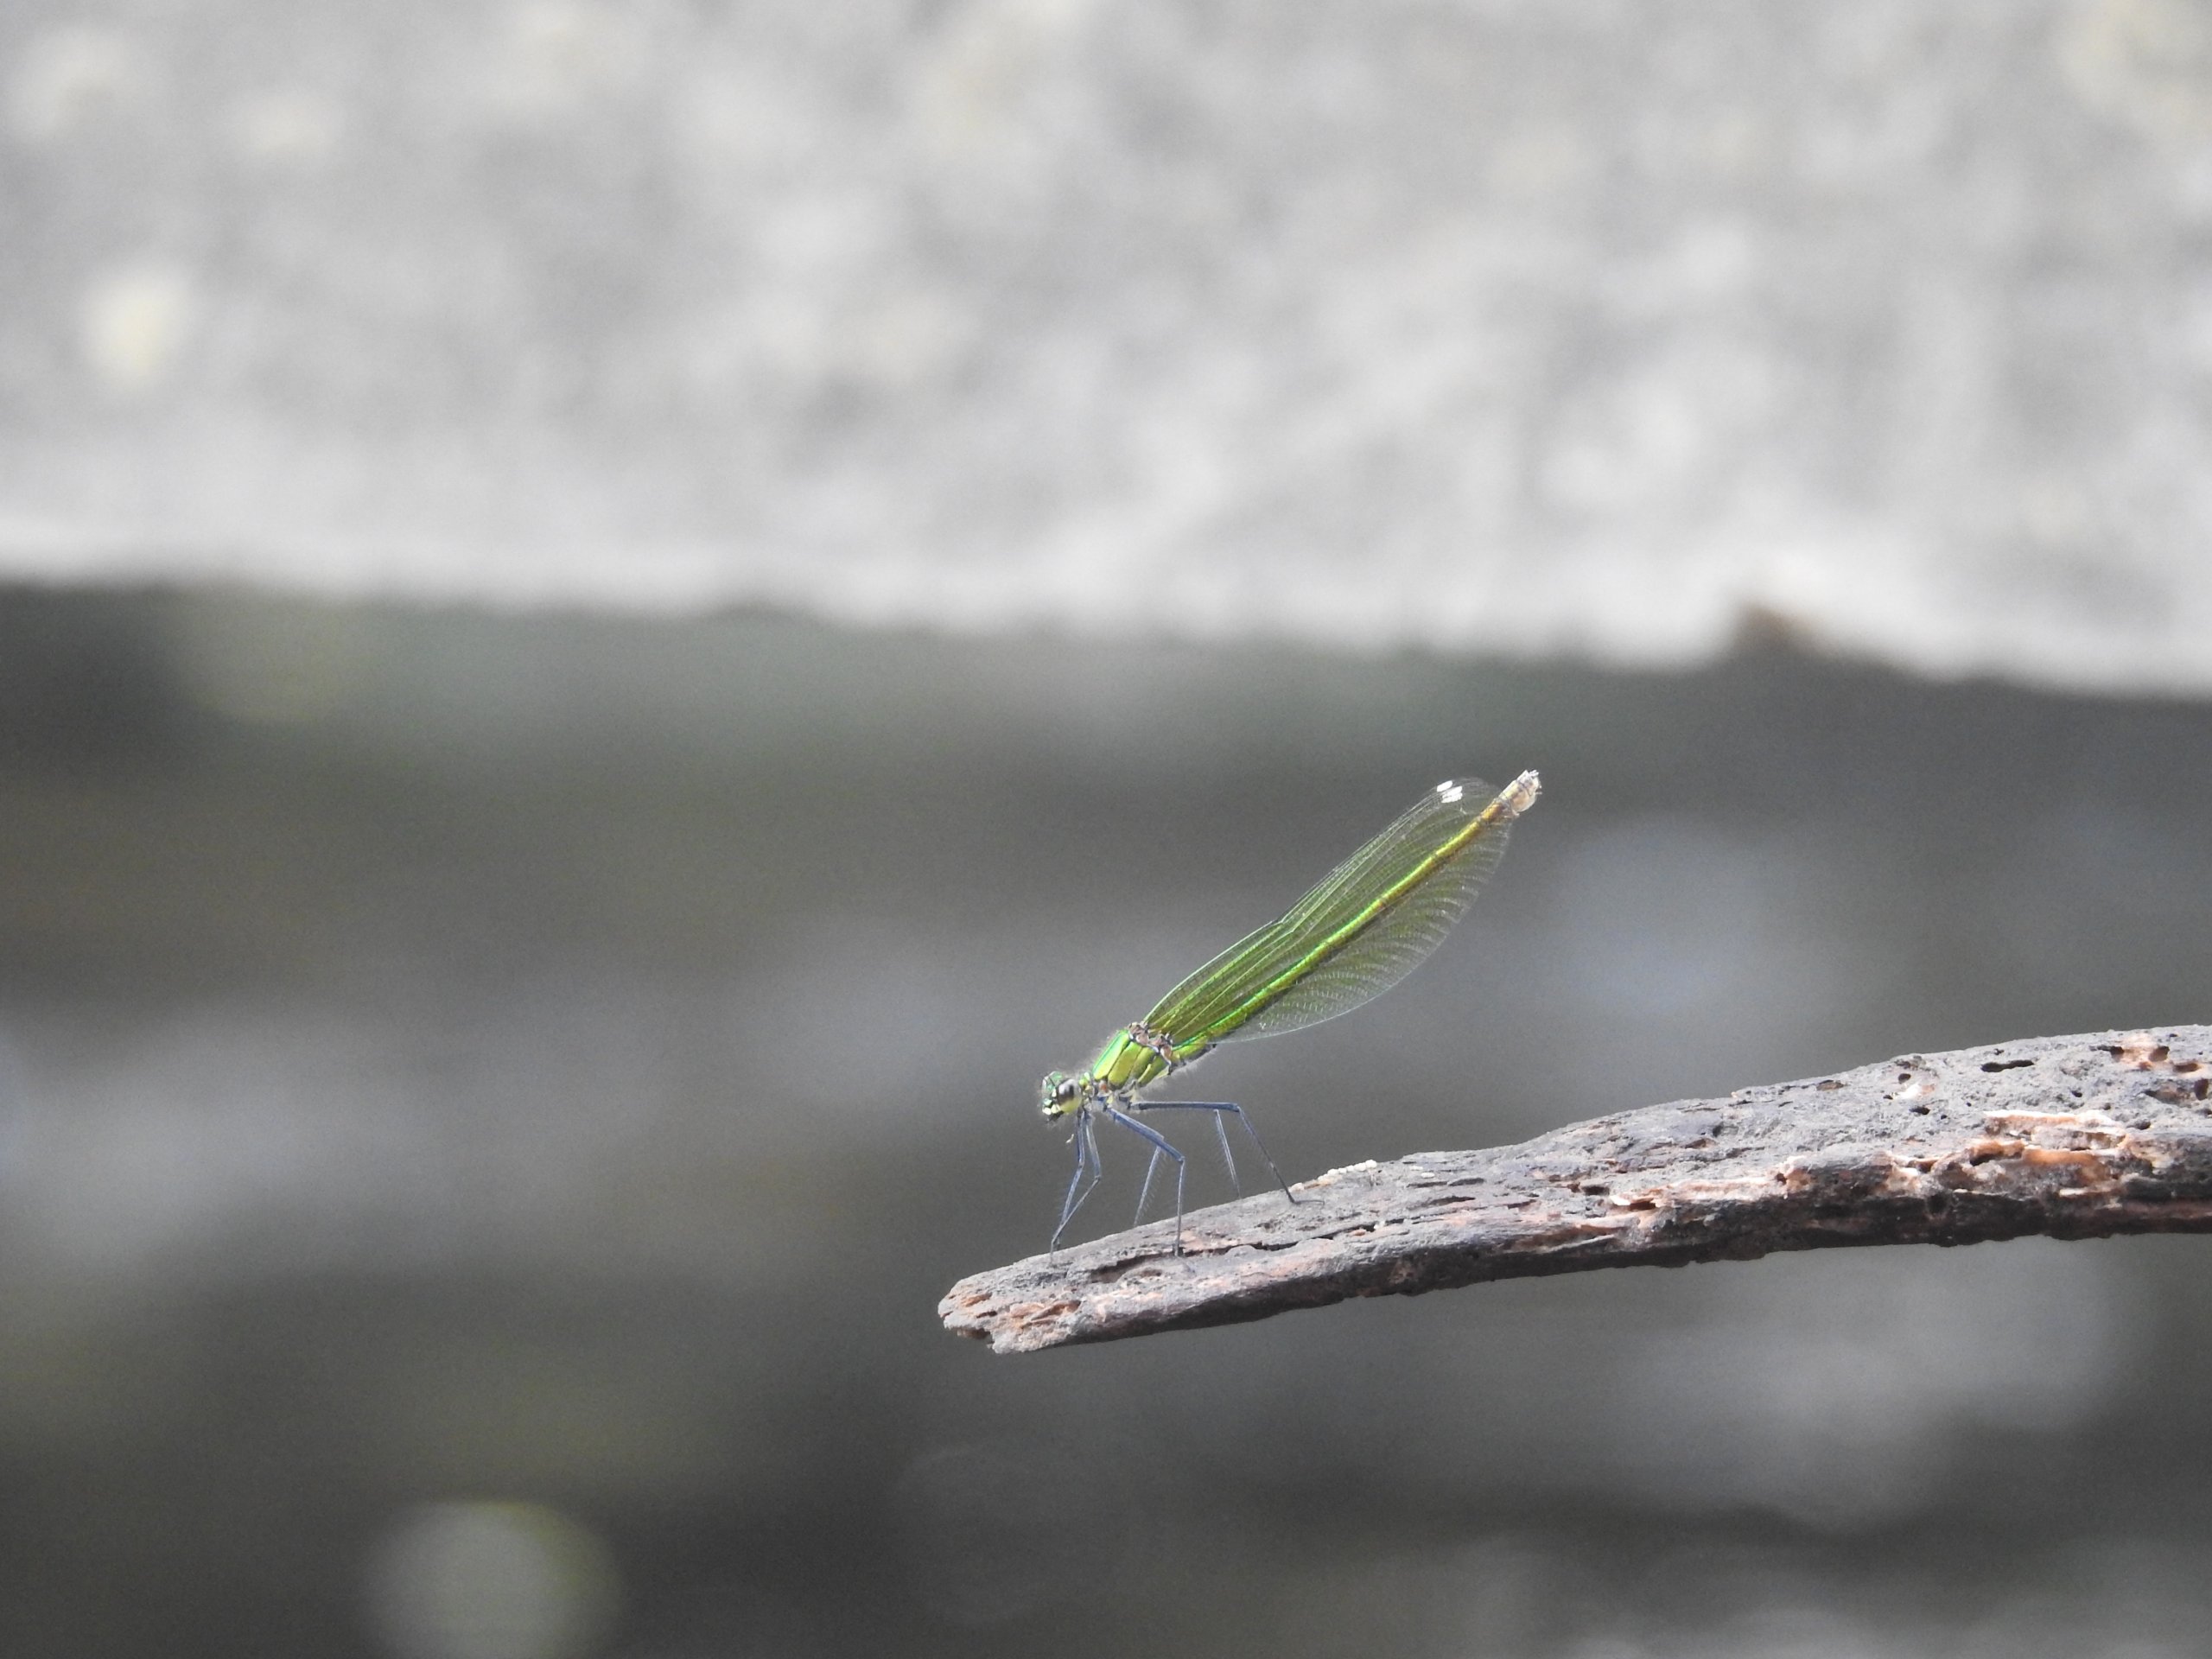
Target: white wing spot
x,y
1447,791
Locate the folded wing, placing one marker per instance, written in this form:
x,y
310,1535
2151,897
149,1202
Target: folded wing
x,y
1371,922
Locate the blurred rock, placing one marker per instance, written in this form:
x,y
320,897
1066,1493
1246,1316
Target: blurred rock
x,y
1619,331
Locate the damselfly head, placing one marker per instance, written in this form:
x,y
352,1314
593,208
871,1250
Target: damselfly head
x,y
1056,1095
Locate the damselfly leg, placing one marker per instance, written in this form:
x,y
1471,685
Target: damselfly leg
x,y
1221,1110
1160,1147
1087,1162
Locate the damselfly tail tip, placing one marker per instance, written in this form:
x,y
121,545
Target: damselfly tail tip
x,y
1520,795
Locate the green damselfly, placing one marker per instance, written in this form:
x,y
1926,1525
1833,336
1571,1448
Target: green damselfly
x,y
1373,919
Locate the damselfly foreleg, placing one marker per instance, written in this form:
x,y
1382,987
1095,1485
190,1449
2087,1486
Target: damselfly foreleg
x,y
1086,1161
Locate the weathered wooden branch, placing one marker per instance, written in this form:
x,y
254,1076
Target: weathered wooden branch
x,y
2075,1137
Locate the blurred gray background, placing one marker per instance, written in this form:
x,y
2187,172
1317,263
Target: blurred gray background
x,y
617,622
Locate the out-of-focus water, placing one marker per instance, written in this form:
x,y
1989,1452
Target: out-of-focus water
x,y
488,1105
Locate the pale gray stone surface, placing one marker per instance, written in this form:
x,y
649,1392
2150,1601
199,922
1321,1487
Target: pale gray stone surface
x,y
1579,326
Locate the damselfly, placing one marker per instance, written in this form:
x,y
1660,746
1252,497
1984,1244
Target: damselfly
x,y
1374,919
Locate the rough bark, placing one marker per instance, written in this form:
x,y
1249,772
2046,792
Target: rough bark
x,y
2073,1137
